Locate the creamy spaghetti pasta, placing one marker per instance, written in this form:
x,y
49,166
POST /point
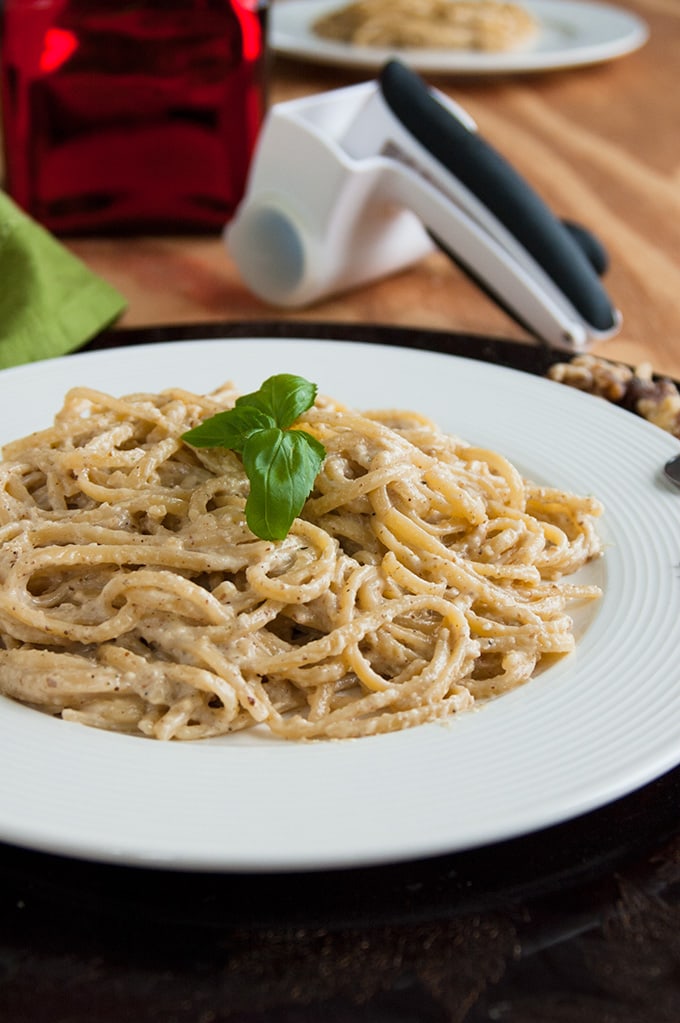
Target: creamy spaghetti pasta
x,y
423,575
487,25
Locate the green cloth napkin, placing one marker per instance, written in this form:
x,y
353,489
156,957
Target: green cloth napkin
x,y
50,302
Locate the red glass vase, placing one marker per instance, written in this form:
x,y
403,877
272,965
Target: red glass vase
x,y
131,116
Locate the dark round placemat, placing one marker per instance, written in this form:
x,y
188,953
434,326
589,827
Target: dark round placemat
x,y
560,858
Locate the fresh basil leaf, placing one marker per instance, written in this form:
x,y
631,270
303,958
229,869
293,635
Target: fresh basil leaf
x,y
284,397
282,466
229,429
318,451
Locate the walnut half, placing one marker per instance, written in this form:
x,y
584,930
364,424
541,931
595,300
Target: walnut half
x,y
656,399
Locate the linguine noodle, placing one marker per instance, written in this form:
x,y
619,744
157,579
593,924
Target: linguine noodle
x,y
423,575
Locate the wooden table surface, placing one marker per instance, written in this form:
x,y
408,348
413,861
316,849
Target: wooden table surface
x,y
601,145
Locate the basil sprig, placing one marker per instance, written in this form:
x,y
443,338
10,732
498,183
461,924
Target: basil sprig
x,y
281,464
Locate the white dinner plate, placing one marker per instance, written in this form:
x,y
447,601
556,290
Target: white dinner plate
x,y
571,33
595,726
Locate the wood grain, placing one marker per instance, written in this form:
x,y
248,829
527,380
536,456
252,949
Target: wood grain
x,y
601,144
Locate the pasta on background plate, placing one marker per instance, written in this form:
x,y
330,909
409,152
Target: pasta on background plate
x,y
493,26
423,575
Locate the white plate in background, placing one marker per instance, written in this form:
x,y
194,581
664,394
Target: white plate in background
x,y
571,33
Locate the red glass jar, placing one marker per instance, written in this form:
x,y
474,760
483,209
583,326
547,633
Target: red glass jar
x,y
131,116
